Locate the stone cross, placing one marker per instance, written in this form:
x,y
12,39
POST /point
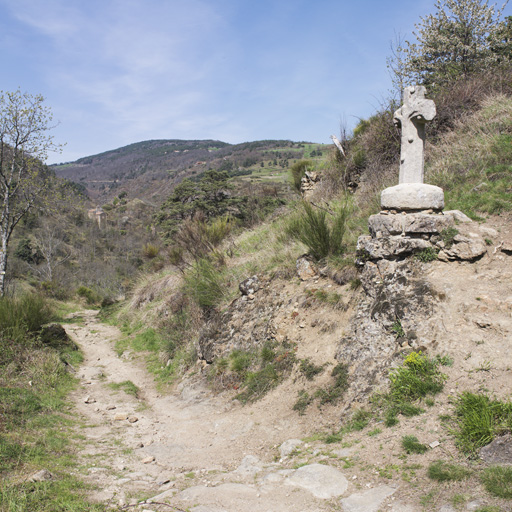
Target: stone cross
x,y
412,116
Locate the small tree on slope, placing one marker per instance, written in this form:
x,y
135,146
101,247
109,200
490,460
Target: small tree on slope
x,y
24,145
454,42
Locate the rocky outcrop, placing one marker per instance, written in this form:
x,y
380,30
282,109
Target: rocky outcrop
x,y
394,315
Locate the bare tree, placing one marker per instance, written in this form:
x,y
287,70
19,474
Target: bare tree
x,y
24,146
48,241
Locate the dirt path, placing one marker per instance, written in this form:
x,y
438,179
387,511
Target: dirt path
x,y
140,447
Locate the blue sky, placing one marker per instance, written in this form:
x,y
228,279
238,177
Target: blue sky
x,y
116,72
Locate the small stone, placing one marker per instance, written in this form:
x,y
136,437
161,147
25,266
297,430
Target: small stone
x,y
120,417
110,407
302,325
434,444
251,296
41,476
133,419
89,400
148,460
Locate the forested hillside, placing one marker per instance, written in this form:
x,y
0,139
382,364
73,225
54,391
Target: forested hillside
x,y
150,170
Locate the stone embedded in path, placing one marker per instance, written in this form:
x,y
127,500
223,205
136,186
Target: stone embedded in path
x,y
148,460
320,480
250,465
368,501
237,495
289,446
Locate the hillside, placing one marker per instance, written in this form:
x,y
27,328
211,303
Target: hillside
x,y
150,169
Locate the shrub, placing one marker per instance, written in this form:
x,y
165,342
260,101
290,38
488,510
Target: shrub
x,y
411,445
90,296
150,251
303,400
359,420
259,372
445,472
427,255
298,170
23,315
333,393
321,236
204,282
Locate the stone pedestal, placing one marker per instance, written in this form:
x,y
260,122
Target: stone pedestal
x,y
412,197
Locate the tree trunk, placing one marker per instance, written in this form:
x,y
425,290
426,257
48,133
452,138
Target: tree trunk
x,y
3,262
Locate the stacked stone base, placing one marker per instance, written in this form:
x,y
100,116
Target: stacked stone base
x,y
394,235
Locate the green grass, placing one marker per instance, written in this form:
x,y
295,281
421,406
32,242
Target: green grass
x,y
321,230
498,481
333,393
127,386
34,429
479,419
309,369
442,471
416,379
262,370
411,445
472,164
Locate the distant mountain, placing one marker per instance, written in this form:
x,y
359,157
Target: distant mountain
x,y
150,169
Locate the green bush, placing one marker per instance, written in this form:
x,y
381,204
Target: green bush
x,y
418,377
320,233
333,393
309,369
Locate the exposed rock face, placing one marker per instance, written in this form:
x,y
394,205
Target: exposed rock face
x,y
499,451
394,314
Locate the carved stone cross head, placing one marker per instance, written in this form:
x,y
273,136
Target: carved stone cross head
x,y
412,116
